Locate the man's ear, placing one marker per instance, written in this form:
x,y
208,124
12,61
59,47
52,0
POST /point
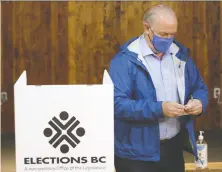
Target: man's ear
x,y
146,27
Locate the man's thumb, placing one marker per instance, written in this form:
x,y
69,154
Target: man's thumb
x,y
188,106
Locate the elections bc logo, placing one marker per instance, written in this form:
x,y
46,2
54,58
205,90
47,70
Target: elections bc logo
x,y
64,132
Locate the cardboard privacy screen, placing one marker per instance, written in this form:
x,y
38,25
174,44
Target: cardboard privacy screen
x,y
64,127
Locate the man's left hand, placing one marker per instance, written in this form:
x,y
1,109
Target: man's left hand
x,y
193,107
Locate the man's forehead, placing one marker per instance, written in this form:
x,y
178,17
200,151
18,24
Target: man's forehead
x,y
164,16
164,21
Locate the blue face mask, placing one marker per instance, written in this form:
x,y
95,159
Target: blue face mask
x,y
161,44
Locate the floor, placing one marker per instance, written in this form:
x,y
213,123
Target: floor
x,y
213,138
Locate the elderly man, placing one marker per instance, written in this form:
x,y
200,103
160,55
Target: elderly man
x,y
158,91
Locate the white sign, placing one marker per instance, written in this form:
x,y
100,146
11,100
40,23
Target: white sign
x,y
64,127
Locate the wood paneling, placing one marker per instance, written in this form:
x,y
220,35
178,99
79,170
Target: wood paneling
x,y
219,119
73,42
199,49
7,46
213,54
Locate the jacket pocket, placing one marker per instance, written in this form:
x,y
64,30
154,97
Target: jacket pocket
x,y
143,140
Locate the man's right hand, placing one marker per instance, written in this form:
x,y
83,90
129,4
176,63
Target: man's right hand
x,y
172,109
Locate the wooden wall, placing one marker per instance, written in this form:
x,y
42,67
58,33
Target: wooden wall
x,y
73,42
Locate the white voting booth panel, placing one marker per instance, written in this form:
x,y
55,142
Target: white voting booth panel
x,y
64,127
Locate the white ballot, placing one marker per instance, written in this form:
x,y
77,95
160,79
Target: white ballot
x,y
64,127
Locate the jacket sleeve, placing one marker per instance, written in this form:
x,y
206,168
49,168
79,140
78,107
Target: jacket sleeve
x,y
198,87
125,107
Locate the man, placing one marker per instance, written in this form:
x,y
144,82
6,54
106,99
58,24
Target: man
x,y
158,91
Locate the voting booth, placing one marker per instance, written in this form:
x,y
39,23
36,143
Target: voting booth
x,y
64,127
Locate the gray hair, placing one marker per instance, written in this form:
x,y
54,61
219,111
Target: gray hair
x,y
149,15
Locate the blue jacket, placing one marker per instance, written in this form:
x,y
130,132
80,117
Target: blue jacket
x,y
136,107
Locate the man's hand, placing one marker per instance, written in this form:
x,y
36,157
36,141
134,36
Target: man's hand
x,y
193,107
172,109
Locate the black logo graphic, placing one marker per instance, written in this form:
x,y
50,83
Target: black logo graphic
x,y
69,126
